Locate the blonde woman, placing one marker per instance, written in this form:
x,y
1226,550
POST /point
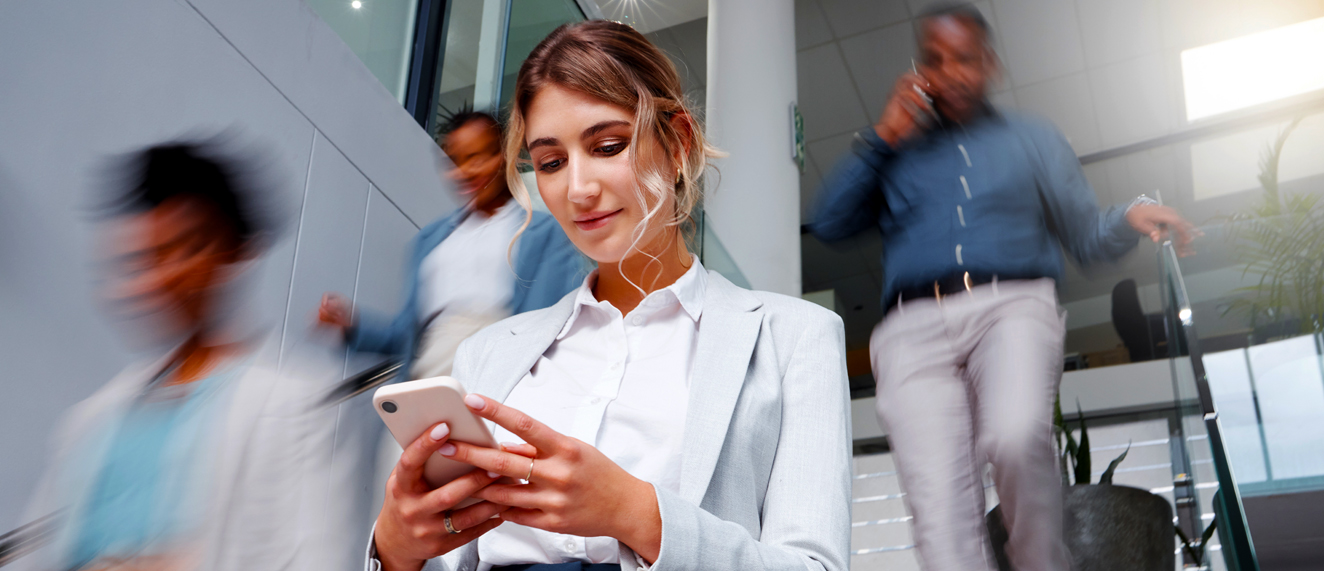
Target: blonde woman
x,y
661,417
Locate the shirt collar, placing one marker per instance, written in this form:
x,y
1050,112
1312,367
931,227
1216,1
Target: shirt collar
x,y
689,290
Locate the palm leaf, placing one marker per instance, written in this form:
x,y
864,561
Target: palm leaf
x,y
1107,477
1186,545
1083,452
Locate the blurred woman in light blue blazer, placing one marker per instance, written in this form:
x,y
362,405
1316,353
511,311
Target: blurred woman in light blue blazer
x,y
658,417
463,271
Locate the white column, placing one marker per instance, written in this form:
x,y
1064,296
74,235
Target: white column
x,y
755,209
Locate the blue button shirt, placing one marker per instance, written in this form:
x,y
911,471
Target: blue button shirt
x,y
993,197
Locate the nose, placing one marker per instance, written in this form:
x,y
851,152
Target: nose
x,y
584,187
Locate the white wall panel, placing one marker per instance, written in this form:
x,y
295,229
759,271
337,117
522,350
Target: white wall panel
x,y
330,232
319,74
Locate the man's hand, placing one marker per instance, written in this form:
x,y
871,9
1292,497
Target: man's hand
x,y
1158,222
906,111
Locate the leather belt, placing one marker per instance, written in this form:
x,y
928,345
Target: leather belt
x,y
945,286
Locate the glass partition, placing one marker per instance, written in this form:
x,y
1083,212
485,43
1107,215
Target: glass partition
x,y
530,22
1204,485
459,59
381,33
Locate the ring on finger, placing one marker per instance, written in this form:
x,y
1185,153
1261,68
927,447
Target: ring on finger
x,y
529,478
450,528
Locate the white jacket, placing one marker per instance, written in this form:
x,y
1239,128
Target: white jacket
x,y
266,500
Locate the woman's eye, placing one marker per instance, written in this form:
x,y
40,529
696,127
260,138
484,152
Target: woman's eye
x,y
610,149
550,166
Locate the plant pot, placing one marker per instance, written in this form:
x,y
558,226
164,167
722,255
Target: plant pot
x,y
1106,528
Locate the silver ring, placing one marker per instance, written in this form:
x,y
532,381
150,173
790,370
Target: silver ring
x,y
529,478
450,528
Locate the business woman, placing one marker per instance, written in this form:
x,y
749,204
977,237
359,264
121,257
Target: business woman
x,y
661,417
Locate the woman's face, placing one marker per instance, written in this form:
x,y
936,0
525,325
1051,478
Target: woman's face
x,y
581,149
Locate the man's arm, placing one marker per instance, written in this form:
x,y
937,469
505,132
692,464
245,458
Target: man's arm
x,y
1074,216
851,197
1070,205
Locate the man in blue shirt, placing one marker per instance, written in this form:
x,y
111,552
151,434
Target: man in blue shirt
x,y
972,205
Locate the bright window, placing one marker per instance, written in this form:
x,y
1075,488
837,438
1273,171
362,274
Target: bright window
x,y
1254,69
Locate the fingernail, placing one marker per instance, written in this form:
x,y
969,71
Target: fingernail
x,y
509,445
440,431
446,449
474,401
493,475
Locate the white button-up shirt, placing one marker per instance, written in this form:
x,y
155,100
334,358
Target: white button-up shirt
x,y
468,272
620,383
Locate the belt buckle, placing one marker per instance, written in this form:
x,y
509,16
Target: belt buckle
x,y
965,280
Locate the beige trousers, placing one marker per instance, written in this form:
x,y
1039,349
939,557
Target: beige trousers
x,y
967,380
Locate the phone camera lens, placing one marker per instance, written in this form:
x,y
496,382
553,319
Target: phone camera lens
x,y
389,406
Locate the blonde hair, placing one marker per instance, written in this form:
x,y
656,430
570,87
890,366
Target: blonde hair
x,y
615,63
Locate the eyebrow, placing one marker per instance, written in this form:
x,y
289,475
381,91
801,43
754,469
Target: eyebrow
x,y
589,132
603,126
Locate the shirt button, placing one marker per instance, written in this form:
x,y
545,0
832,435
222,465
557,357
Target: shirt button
x,y
637,320
596,400
570,545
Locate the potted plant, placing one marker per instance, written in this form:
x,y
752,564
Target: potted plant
x,y
1195,552
1106,527
1279,238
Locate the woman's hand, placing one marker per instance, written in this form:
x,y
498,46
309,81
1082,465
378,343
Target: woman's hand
x,y
572,488
412,528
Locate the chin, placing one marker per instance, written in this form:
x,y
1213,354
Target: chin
x,y
602,251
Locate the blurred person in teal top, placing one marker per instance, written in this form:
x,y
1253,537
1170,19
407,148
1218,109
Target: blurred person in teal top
x,y
974,207
197,459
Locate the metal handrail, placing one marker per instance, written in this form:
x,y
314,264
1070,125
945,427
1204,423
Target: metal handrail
x,y
27,538
1233,521
370,378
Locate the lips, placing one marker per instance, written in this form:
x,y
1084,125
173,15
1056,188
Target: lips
x,y
595,220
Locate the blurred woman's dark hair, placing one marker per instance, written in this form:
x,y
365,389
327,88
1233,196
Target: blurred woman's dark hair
x,y
465,114
196,171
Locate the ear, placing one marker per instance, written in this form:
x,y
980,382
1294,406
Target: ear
x,y
684,124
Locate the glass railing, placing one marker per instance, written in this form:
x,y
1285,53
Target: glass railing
x,y
1204,485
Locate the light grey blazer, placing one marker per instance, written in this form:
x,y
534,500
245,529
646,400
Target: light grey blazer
x,y
765,476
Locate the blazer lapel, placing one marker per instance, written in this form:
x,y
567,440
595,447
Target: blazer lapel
x,y
728,331
521,348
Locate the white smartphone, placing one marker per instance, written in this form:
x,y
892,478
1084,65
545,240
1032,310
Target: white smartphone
x,y
410,408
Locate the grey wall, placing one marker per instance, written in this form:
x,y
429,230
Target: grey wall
x,y
85,80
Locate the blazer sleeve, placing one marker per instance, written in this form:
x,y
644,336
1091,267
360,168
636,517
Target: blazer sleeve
x,y
806,510
377,332
558,269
